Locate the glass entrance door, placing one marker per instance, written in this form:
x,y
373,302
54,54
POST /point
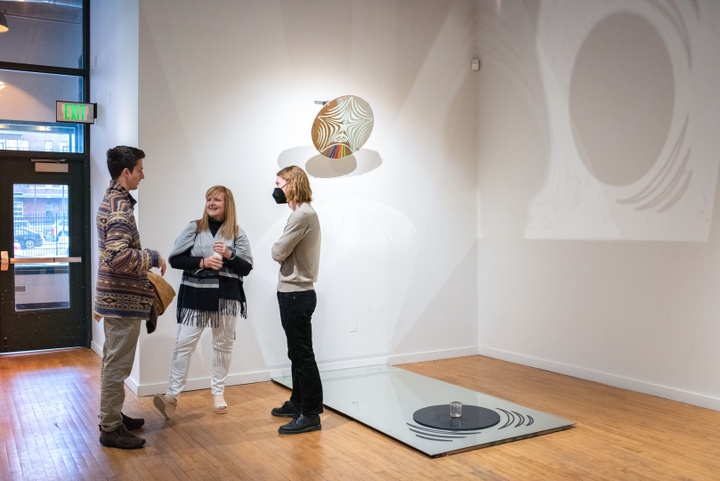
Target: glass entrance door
x,y
44,242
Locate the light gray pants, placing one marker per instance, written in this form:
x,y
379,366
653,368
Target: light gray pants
x,y
121,337
223,338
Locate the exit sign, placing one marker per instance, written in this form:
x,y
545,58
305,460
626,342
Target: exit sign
x,y
75,112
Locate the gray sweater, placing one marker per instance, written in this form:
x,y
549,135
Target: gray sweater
x,y
298,250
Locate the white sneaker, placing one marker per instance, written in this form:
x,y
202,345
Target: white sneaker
x,y
166,404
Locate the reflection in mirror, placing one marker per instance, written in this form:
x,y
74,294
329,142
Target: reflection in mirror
x,y
387,398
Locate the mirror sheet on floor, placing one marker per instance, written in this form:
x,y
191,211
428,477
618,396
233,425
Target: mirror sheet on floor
x,y
385,398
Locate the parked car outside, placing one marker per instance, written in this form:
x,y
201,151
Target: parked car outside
x,y
28,238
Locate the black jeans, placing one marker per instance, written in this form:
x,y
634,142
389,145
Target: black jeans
x,y
296,310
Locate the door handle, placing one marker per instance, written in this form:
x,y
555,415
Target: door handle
x,y
44,260
6,260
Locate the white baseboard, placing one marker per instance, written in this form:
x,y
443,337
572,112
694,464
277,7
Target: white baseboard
x,y
349,364
192,384
665,392
96,348
392,359
407,358
201,383
282,371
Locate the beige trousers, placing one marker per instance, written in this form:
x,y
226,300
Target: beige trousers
x,y
121,337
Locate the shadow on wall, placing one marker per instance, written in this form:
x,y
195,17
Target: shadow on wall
x,y
633,157
514,136
316,165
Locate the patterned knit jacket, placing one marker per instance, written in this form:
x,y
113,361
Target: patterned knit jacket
x,y
122,289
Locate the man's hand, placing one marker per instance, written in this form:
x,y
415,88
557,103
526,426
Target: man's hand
x,y
162,265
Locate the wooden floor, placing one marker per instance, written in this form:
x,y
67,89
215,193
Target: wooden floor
x,y
49,431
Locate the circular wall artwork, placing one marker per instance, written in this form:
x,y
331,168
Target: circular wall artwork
x,y
342,126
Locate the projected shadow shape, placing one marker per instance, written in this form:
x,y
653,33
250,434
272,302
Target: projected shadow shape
x,y
385,398
316,165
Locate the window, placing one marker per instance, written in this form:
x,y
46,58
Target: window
x,y
27,113
48,33
41,136
43,59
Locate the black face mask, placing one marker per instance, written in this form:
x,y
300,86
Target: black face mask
x,y
279,196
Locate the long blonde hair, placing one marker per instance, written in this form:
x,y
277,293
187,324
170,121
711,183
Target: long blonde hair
x,y
229,229
298,185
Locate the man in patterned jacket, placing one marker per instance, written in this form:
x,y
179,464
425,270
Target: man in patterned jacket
x,y
124,295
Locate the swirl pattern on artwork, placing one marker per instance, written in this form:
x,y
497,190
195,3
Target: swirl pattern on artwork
x,y
342,126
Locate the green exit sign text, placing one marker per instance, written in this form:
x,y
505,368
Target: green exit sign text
x,y
75,112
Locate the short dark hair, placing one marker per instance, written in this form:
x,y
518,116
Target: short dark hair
x,y
122,157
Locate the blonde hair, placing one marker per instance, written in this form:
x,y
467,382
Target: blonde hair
x,y
298,186
229,229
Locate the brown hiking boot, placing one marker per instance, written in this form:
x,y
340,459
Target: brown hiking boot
x,y
121,438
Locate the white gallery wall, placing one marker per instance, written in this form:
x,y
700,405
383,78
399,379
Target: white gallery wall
x,y
114,82
556,208
227,95
598,154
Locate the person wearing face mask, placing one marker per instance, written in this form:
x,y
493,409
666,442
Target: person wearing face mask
x,y
214,255
298,252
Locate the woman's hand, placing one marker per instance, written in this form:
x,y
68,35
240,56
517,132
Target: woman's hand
x,y
222,249
213,262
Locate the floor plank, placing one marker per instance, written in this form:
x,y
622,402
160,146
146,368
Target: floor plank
x,y
48,431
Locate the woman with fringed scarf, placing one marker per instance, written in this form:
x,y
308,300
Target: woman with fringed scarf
x,y
214,254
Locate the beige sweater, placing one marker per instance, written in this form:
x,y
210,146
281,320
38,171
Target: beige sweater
x,y
298,250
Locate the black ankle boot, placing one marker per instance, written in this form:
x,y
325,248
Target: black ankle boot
x,y
132,423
